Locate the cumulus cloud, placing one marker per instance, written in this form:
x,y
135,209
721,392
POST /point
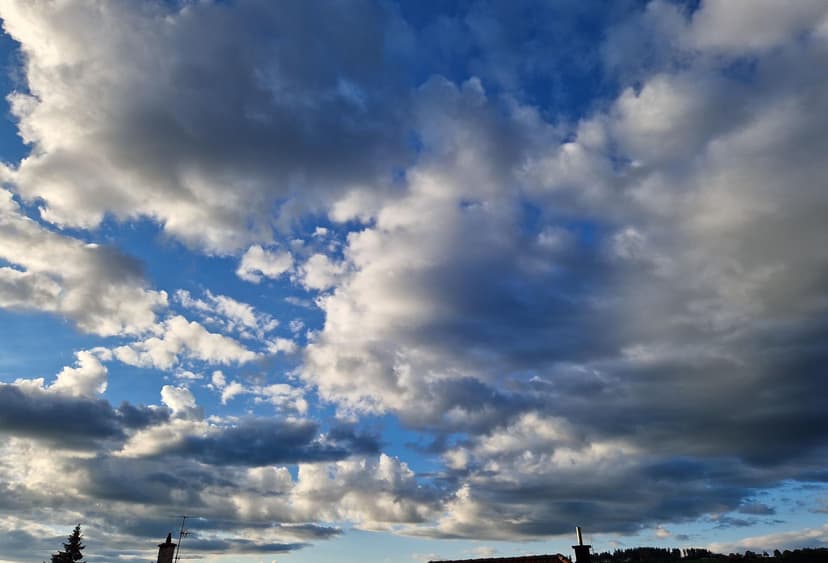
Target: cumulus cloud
x,y
98,287
232,389
283,397
616,317
637,275
745,26
320,272
297,119
258,263
61,453
446,301
280,345
373,493
179,338
181,402
86,379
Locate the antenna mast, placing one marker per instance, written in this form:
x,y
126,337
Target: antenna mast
x,y
181,534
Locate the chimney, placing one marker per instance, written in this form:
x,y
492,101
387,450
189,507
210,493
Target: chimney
x,y
166,550
581,550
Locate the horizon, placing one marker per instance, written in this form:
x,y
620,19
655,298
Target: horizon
x,y
393,280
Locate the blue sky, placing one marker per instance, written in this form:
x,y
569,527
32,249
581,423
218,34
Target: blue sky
x,y
396,281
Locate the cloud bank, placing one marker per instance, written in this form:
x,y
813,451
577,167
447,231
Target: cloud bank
x,y
595,287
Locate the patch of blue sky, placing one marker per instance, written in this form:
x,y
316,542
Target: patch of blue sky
x,y
409,445
358,546
170,266
544,54
791,506
136,385
12,148
24,353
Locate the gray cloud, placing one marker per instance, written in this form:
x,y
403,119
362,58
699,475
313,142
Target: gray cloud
x,y
69,422
241,95
256,442
618,320
655,280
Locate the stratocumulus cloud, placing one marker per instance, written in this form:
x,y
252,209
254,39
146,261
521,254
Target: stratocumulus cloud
x,y
478,272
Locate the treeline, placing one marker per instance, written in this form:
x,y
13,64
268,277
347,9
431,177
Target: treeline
x,y
653,554
699,555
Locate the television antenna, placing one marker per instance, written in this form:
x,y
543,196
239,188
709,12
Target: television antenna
x,y
181,535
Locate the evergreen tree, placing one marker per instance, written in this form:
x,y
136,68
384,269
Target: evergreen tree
x,y
72,549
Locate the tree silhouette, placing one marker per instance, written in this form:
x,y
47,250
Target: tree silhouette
x,y
72,549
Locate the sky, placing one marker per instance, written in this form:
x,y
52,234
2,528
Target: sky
x,y
405,280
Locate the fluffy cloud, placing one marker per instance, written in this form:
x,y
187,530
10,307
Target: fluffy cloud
x,y
616,317
293,123
320,273
635,277
743,25
179,338
258,263
372,493
86,379
98,287
181,401
231,469
445,303
614,483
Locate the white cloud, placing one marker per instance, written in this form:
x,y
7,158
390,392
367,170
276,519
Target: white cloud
x,y
188,375
283,396
229,314
231,390
258,263
407,281
179,338
372,493
154,148
648,263
87,379
100,289
320,272
746,25
218,379
662,532
282,346
180,400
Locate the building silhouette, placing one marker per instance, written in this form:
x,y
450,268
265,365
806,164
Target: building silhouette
x,y
166,550
581,551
